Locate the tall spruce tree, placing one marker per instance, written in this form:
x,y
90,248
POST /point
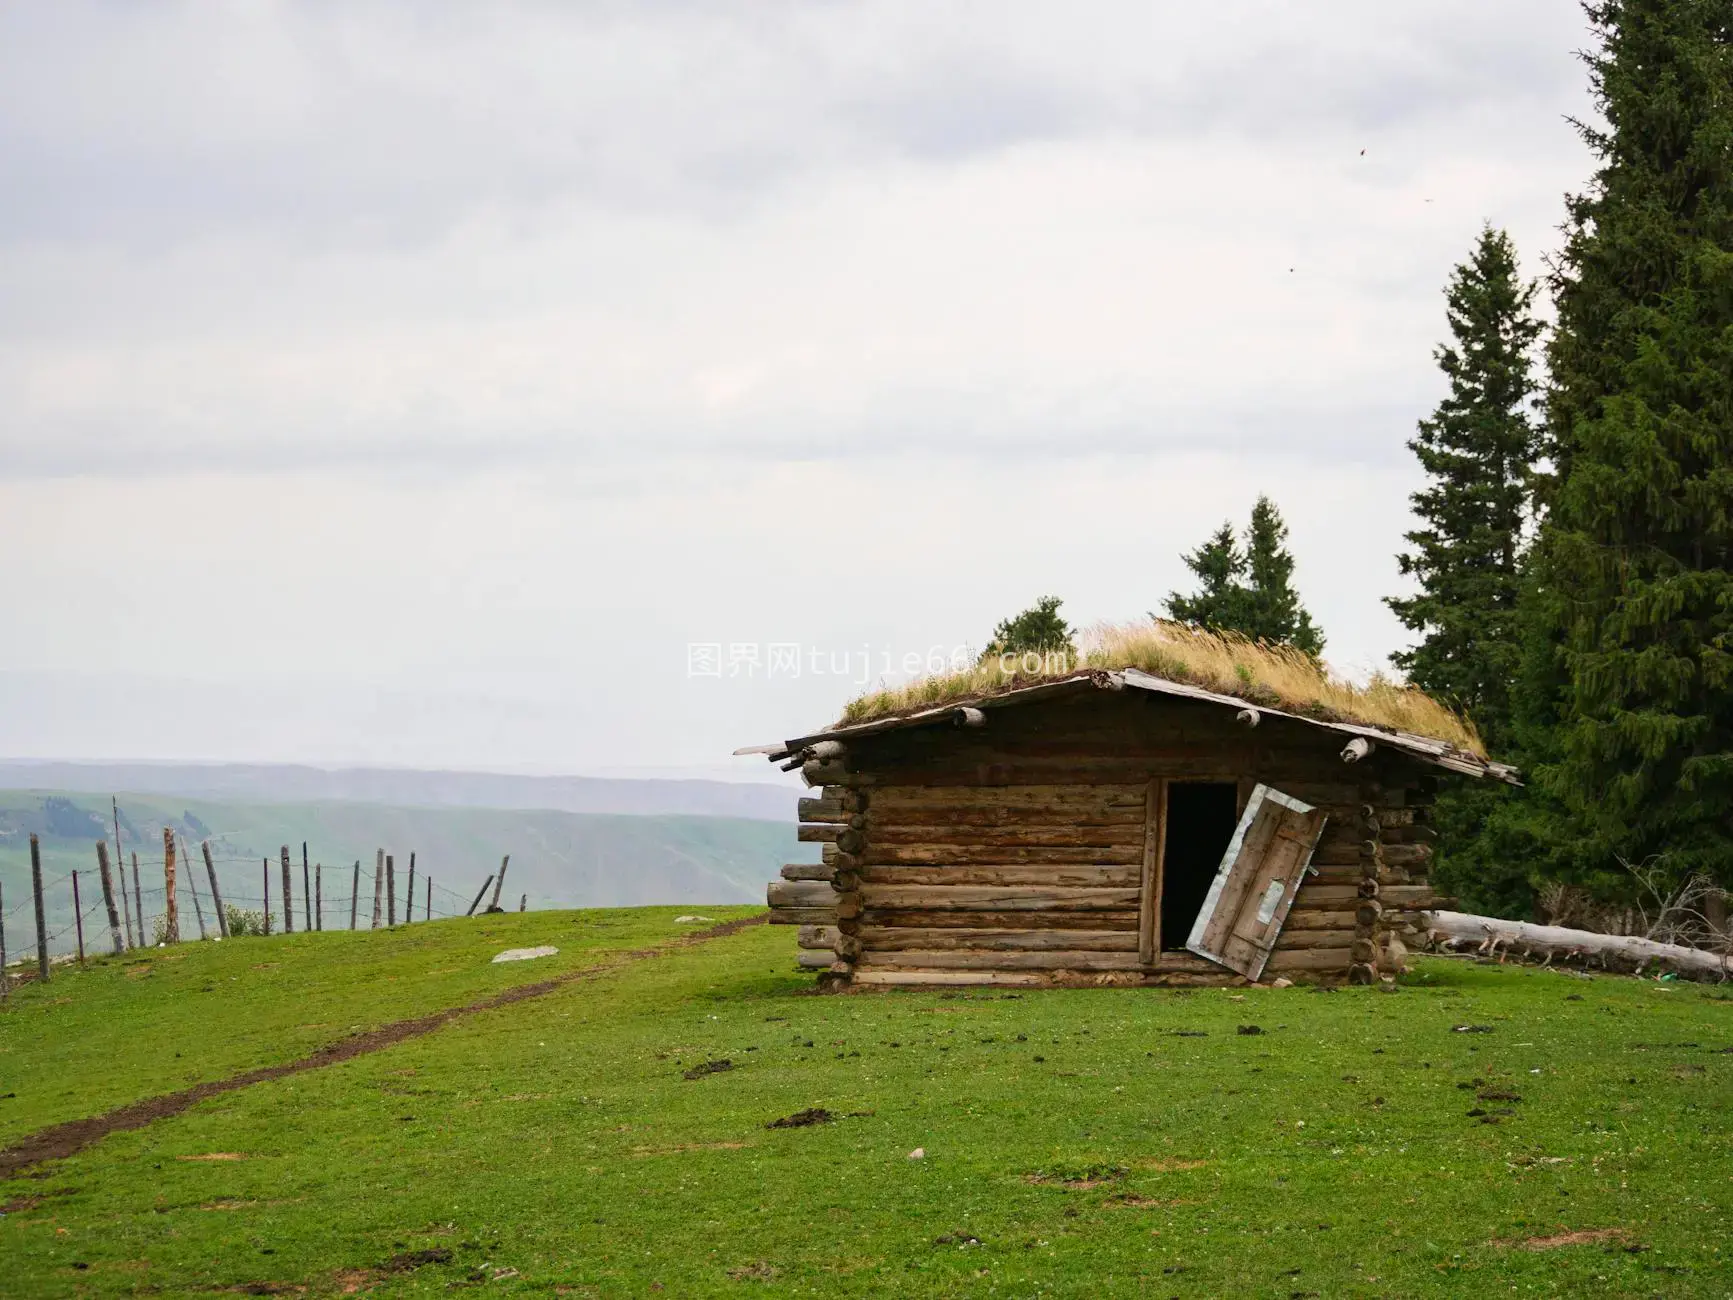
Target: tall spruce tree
x,y
1248,588
1219,567
1478,451
1275,613
1631,681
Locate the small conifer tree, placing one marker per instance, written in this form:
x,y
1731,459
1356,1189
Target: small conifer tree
x,y
1248,588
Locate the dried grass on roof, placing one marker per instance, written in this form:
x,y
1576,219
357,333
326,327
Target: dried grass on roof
x,y
1278,677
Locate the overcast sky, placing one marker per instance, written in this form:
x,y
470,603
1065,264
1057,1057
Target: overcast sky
x,y
415,383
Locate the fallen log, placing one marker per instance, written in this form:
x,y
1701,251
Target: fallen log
x,y
1492,937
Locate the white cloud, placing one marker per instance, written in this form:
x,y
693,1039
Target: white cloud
x,y
489,354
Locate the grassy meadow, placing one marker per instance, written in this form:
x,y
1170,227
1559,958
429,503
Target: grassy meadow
x,y
1477,1130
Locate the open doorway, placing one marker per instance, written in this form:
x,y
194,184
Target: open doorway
x,y
1201,816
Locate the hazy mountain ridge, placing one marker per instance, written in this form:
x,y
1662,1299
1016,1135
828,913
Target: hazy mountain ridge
x,y
406,787
559,859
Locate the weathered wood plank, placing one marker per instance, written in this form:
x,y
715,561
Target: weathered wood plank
x,y
813,959
825,808
803,915
1315,959
808,871
985,898
1086,875
1010,818
818,936
950,977
819,834
800,893
1306,919
890,855
1150,877
1292,939
918,798
887,939
965,959
1125,920
882,835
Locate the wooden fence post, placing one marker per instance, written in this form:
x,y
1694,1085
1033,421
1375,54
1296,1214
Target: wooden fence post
x,y
409,894
193,885
78,917
378,884
266,872
479,893
354,893
172,932
306,889
137,900
318,895
107,875
120,866
5,979
500,883
523,904
41,916
216,893
288,895
427,906
390,890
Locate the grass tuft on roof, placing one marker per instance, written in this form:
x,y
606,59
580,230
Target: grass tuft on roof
x,y
1277,677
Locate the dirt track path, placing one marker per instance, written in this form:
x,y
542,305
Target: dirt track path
x,y
61,1140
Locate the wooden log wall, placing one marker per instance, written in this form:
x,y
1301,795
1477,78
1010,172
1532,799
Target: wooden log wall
x,y
1012,852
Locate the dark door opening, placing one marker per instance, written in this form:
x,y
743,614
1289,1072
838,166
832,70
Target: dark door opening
x,y
1201,816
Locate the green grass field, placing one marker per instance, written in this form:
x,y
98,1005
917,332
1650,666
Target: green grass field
x,y
1076,1142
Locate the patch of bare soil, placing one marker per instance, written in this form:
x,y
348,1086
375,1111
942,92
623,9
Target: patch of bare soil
x,y
1077,1180
803,1118
762,1271
1581,1237
683,1147
62,1140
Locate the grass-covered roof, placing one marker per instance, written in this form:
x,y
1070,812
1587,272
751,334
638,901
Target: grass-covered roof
x,y
1277,677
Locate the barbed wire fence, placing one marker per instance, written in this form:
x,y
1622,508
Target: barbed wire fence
x,y
125,913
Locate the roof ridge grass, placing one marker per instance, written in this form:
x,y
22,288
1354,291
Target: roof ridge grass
x,y
1274,676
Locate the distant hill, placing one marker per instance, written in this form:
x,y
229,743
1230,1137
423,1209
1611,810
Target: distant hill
x,y
273,783
558,858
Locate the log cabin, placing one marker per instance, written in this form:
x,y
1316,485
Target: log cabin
x,y
1113,828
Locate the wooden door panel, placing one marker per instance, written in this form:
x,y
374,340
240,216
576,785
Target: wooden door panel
x,y
1260,873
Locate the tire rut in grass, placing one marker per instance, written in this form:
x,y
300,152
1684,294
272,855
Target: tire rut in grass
x,y
62,1140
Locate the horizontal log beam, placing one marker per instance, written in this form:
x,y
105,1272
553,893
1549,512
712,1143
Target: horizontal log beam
x,y
1311,959
948,977
966,959
890,855
1086,875
808,871
883,835
984,898
825,808
883,939
1008,818
803,915
1322,920
908,798
1292,940
922,919
800,893
818,936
